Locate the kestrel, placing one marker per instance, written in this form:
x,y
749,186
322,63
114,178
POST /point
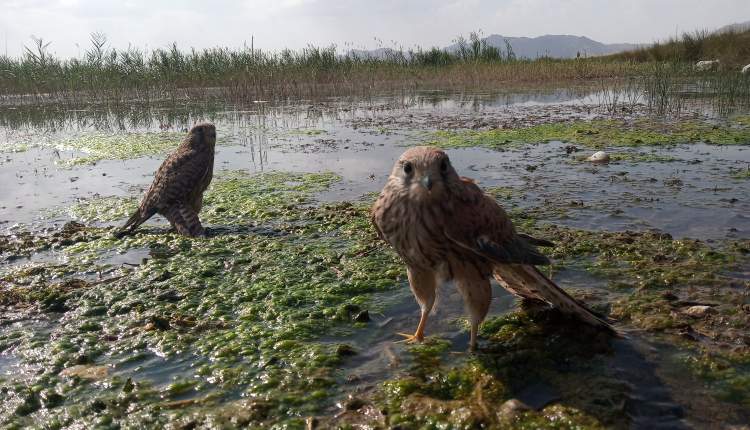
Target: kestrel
x,y
177,190
446,229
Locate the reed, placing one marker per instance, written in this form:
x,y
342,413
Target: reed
x,y
116,77
730,47
243,74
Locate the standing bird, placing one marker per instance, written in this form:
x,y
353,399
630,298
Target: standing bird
x,y
446,229
177,190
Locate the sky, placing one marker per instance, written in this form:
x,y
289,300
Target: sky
x,y
361,24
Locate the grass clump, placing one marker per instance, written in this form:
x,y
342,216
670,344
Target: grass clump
x,y
731,47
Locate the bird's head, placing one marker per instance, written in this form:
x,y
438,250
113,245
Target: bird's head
x,y
204,134
426,172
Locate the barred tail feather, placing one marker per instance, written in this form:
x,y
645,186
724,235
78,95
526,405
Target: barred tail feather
x,y
528,282
132,223
184,219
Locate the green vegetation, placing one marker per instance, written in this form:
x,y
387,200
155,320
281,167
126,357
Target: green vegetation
x,y
248,74
658,75
119,146
520,348
262,306
600,134
731,48
246,304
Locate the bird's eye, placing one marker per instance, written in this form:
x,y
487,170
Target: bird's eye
x,y
408,168
444,166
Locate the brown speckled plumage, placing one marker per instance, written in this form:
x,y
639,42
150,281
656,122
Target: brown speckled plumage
x,y
177,190
445,228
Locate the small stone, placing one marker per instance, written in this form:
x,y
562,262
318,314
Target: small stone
x,y
599,157
698,311
86,372
511,409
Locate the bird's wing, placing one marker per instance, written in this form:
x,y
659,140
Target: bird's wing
x,y
536,241
480,225
528,282
374,220
176,178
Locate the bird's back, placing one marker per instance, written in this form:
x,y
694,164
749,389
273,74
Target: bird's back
x,y
186,171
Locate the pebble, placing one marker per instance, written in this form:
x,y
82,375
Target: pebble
x,y
599,157
511,409
86,372
697,311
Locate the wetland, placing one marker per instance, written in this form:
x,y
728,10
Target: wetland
x,y
285,315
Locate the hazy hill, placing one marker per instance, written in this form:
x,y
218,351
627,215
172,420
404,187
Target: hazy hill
x,y
556,46
738,27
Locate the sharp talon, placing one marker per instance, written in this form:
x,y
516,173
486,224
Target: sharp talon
x,y
409,338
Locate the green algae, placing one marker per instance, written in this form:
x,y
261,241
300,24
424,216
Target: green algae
x,y
239,197
307,131
600,134
520,351
248,308
641,157
122,146
103,209
12,147
234,197
728,377
741,174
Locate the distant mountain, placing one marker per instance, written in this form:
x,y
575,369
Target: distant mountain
x,y
556,46
740,26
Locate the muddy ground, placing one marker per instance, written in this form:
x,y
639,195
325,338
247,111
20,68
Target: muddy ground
x,y
286,315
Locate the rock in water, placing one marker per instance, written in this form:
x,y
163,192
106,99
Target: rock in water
x,y
698,311
599,157
86,372
511,409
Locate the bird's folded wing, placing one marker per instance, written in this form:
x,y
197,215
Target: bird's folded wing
x,y
480,225
176,178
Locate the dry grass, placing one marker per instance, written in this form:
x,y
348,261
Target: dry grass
x,y
246,74
731,48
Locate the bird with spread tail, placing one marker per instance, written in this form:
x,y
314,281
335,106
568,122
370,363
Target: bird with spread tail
x,y
177,190
445,228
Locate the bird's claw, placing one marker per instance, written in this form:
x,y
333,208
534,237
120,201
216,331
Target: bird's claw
x,y
410,338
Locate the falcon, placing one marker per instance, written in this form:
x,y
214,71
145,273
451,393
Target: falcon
x,y
446,229
177,190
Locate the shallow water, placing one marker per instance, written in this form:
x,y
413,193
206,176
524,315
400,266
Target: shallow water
x,y
694,195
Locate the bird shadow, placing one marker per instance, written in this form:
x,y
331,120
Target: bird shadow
x,y
545,357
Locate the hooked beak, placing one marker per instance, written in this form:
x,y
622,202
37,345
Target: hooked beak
x,y
426,182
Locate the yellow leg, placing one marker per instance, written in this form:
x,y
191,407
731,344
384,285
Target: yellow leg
x,y
418,336
423,284
473,341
